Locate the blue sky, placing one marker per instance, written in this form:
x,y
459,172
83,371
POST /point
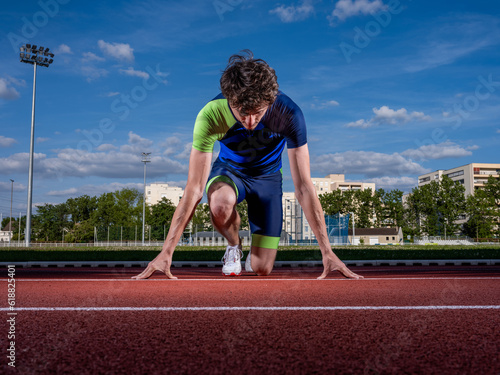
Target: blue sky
x,y
390,89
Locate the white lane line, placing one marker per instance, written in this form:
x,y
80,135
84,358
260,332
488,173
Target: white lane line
x,y
259,308
226,279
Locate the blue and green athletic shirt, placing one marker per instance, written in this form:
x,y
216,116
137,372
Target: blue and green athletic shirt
x,y
252,153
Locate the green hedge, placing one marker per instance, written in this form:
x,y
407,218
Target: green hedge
x,y
189,253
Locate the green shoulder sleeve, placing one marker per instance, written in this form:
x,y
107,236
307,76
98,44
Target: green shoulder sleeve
x,y
212,123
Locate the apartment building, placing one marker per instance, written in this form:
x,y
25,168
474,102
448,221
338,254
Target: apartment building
x,y
337,182
156,191
472,176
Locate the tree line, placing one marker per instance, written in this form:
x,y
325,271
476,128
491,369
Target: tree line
x,y
435,209
114,216
439,208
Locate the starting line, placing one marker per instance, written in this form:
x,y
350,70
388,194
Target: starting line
x,y
265,279
259,308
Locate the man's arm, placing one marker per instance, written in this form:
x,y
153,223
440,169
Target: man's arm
x,y
199,169
306,194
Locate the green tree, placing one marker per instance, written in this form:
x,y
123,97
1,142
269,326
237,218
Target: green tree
x,y
50,221
434,208
242,209
390,211
451,205
365,208
483,210
201,219
338,201
81,208
159,217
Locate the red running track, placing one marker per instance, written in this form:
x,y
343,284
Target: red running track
x,y
407,320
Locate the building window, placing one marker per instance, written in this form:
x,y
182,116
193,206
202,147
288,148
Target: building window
x,y
455,174
387,238
425,179
393,238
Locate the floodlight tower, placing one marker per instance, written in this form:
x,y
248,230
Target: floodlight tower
x,y
31,54
145,160
10,221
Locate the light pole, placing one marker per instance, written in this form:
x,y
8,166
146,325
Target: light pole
x,y
353,229
30,54
145,160
11,196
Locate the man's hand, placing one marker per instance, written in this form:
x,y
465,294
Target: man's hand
x,y
332,263
162,265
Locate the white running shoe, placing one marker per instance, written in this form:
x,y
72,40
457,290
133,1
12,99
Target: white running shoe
x,y
232,261
248,263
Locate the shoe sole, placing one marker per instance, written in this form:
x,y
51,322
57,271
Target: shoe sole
x,y
232,274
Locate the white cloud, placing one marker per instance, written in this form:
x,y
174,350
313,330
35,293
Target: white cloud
x,y
89,56
118,51
386,115
92,73
89,68
105,160
135,139
95,190
324,104
367,163
350,8
134,73
64,49
42,139
6,142
443,150
404,183
186,152
7,92
293,13
71,162
106,147
171,145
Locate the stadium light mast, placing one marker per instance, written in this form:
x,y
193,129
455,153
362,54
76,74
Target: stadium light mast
x,y
145,160
353,229
10,221
31,54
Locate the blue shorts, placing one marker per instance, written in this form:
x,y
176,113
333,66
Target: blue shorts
x,y
264,197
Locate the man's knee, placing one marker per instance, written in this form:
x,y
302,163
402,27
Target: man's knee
x,y
222,200
262,270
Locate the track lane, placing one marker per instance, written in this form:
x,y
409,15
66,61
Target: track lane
x,y
357,335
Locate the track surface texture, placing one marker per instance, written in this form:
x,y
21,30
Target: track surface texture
x,y
398,320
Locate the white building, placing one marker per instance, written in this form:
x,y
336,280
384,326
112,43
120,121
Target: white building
x,y
156,191
337,182
472,176
6,234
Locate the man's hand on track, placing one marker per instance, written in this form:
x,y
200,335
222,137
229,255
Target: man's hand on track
x,y
156,265
332,263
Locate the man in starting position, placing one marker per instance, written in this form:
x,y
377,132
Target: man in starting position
x,y
253,121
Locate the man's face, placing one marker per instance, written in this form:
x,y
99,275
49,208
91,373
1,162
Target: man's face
x,y
250,120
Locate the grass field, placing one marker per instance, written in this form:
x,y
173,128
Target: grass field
x,y
291,253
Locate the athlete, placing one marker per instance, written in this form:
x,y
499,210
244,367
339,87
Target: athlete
x,y
253,121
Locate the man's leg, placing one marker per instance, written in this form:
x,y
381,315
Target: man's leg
x,y
222,202
262,260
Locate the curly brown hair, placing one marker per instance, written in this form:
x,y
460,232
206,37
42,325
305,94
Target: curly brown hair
x,y
248,83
